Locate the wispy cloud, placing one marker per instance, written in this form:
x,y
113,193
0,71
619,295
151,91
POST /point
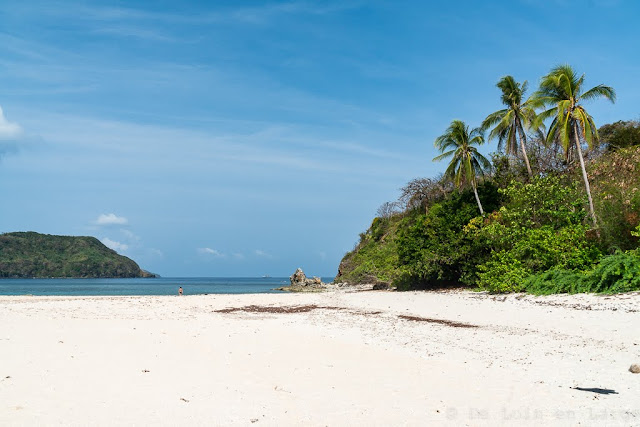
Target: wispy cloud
x,y
269,12
157,253
130,235
133,32
262,254
275,144
111,219
9,130
116,246
211,252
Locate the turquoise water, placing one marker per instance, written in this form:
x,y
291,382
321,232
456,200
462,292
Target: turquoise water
x,y
158,286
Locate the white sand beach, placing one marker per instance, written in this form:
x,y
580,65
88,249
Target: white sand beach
x,y
457,358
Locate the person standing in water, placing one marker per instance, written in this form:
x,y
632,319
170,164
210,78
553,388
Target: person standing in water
x,y
180,291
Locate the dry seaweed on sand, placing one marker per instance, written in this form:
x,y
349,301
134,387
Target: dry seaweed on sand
x,y
438,321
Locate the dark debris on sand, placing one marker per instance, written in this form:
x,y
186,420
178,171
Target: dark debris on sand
x,y
438,321
307,308
288,309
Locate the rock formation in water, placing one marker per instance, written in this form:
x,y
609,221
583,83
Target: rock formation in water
x,y
299,282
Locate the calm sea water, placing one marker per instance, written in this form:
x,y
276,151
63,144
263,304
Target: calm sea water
x,y
159,286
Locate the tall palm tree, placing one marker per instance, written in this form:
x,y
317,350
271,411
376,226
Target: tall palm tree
x,y
561,92
509,122
466,163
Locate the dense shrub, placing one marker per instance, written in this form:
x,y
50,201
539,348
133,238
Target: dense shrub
x,y
541,227
433,248
375,258
616,193
612,274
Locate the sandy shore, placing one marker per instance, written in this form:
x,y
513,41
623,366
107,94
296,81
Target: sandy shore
x,y
371,358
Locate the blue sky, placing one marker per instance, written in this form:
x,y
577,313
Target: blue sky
x,y
242,138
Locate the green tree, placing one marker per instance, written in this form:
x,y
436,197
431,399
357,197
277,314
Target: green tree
x,y
620,134
561,92
509,122
466,163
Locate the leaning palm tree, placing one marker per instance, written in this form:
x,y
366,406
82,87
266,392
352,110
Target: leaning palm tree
x,y
509,122
561,92
466,163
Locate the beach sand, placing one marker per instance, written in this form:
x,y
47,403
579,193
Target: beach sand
x,y
368,358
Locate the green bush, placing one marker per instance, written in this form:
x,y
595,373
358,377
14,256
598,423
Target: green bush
x,y
540,228
613,274
503,273
434,249
556,281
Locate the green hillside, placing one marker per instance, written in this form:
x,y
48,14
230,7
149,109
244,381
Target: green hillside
x,y
535,236
34,255
556,209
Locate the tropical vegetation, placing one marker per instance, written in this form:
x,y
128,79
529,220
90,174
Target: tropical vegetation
x,y
458,142
556,209
509,122
562,92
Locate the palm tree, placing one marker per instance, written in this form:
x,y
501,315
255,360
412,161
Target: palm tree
x,y
561,91
509,122
466,163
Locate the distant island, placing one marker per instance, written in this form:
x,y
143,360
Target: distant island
x,y
35,255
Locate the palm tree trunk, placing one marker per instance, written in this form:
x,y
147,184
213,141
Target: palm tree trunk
x,y
475,192
522,147
584,176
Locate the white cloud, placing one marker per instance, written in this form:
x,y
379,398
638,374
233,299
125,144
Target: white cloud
x,y
262,254
238,256
130,235
156,253
212,252
111,219
8,130
116,246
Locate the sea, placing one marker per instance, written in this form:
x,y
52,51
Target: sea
x,y
148,286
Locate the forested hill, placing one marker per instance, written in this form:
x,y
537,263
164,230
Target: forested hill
x,y
555,210
535,235
34,255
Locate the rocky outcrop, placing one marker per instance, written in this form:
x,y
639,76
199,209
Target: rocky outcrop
x,y
298,278
301,283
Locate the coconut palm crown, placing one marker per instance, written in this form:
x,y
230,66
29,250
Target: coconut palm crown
x,y
511,121
466,162
561,93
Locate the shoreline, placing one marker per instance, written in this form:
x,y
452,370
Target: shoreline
x,y
334,358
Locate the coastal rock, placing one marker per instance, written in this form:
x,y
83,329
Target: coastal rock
x,y
635,368
299,282
298,278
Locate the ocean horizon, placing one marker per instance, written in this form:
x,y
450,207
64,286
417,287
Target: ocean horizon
x,y
146,286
